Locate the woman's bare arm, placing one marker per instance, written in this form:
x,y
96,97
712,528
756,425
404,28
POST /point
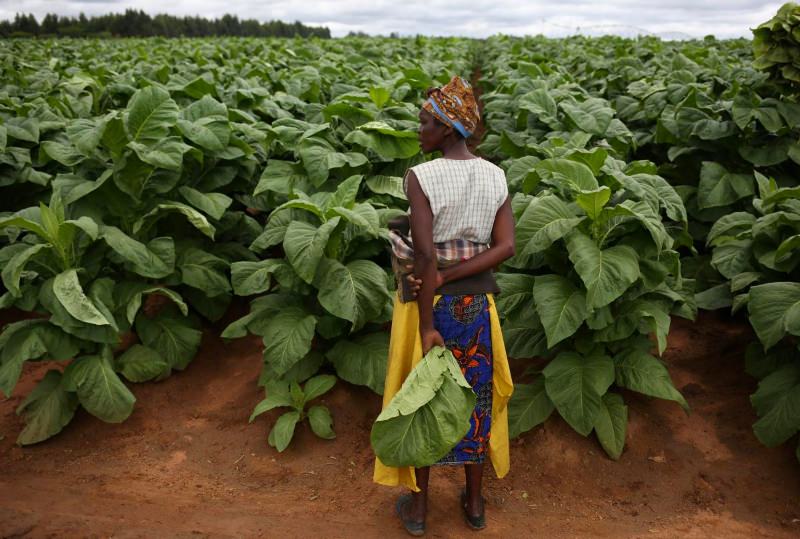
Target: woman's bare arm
x,y
424,259
501,248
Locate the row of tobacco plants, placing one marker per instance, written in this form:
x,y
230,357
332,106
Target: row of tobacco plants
x,y
651,179
146,183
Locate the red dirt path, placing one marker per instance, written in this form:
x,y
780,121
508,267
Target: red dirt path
x,y
188,464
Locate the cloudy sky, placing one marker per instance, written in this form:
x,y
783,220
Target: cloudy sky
x,y
672,18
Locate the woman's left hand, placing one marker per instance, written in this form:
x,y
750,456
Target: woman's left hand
x,y
417,283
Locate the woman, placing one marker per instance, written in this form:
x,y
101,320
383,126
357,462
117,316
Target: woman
x,y
459,209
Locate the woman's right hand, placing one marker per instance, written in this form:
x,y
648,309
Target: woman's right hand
x,y
431,338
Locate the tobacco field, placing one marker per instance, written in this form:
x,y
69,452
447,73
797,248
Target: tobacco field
x,y
146,185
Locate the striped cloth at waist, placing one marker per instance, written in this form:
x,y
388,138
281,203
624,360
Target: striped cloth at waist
x,y
447,252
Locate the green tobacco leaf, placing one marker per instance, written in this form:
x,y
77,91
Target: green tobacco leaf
x,y
718,187
385,141
251,278
345,194
30,339
321,422
304,245
561,307
592,115
524,336
150,114
287,338
194,217
140,363
544,221
362,361
567,172
576,385
774,311
277,396
730,226
143,261
86,133
166,153
68,291
204,271
427,416
517,291
283,431
732,257
65,154
606,273
282,177
47,409
593,201
777,401
317,386
611,424
175,338
387,185
356,292
636,369
213,204
100,390
529,406
12,271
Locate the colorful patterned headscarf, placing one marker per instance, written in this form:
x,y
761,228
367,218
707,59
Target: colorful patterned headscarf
x,y
454,105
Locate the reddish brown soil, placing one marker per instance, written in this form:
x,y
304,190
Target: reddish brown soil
x,y
188,464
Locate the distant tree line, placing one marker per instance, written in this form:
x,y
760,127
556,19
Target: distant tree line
x,y
135,23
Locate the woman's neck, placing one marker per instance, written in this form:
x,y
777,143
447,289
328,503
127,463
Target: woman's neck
x,y
456,149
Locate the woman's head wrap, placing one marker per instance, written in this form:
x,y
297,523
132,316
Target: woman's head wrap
x,y
454,105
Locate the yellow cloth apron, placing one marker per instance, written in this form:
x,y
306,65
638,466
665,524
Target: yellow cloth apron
x,y
405,351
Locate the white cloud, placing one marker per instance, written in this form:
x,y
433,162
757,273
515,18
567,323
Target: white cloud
x,y
481,18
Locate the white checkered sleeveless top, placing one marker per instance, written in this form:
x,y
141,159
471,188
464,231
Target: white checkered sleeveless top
x,y
464,195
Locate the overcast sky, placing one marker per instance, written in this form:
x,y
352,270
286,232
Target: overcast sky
x,y
723,18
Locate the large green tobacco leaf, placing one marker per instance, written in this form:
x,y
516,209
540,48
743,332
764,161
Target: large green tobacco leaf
x,y
592,115
12,271
305,246
636,369
68,291
31,339
362,361
141,363
287,338
166,154
718,187
174,337
142,260
250,278
356,292
565,172
561,307
607,273
544,221
427,416
213,204
611,423
388,143
99,388
576,385
529,406
777,402
775,311
47,409
194,217
150,115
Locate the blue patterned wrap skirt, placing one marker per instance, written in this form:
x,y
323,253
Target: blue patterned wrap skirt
x,y
463,322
